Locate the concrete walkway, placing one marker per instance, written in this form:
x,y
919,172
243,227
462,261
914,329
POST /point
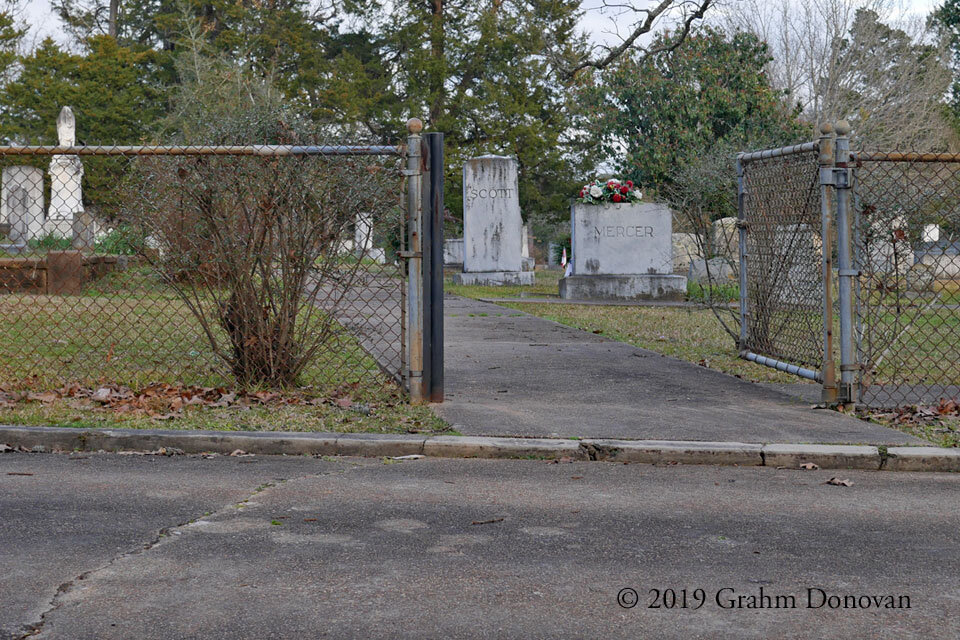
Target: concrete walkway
x,y
510,373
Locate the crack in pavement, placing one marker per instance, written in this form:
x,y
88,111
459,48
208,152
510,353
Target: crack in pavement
x,y
165,534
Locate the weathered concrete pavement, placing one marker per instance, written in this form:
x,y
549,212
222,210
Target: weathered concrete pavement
x,y
105,546
510,373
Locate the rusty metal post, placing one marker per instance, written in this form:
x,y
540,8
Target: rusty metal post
x,y
828,392
742,243
414,255
845,267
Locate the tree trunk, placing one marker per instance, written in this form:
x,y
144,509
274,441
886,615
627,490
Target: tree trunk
x,y
438,51
114,11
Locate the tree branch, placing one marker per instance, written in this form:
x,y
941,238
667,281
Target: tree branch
x,y
644,27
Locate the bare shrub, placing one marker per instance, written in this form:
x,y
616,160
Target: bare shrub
x,y
250,242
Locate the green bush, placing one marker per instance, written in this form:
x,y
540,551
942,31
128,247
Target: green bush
x,y
714,293
123,241
50,242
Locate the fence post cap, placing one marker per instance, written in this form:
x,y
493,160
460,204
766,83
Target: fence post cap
x,y
826,128
414,125
843,127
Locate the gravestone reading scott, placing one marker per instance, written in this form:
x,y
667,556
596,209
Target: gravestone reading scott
x,y
622,252
492,224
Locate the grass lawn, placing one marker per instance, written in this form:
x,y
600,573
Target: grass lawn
x,y
386,412
128,330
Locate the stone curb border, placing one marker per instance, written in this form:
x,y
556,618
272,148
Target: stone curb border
x,y
790,456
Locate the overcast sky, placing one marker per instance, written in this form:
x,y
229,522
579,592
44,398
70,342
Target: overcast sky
x,y
597,21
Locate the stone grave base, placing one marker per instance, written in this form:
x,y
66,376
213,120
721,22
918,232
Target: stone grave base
x,y
493,278
624,287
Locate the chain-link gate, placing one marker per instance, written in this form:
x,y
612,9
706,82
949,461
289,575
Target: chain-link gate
x,y
781,259
266,266
882,230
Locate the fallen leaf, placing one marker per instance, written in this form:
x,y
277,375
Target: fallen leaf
x,y
101,395
837,482
809,466
46,396
487,521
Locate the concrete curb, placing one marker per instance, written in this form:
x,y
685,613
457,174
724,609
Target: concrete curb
x,y
790,456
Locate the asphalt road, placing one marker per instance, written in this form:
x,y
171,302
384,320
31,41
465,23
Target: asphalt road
x,y
107,546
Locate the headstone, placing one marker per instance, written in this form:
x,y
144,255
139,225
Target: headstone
x,y
553,251
622,252
941,259
711,271
888,247
931,233
21,202
492,225
65,273
85,231
66,177
686,248
363,234
527,263
453,252
726,238
800,280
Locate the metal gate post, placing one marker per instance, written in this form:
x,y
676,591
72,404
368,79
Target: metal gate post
x,y
828,393
414,324
433,213
742,240
845,267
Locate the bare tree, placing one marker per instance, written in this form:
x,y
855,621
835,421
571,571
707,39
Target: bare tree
x,y
654,16
868,61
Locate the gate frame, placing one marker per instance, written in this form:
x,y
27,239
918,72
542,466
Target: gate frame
x,y
424,305
833,147
421,347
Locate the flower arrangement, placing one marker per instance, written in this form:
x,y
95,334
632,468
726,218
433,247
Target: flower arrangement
x,y
610,191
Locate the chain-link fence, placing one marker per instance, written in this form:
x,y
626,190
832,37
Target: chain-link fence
x,y
906,221
865,247
213,266
782,287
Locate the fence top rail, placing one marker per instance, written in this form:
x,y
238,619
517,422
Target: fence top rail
x,y
764,154
904,157
244,150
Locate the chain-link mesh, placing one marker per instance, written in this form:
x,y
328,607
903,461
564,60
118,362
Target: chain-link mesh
x,y
906,217
782,216
215,266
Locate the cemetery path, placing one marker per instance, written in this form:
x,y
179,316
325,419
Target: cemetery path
x,y
510,373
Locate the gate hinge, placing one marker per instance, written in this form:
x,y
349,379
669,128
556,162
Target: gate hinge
x,y
743,224
410,172
838,177
849,272
409,254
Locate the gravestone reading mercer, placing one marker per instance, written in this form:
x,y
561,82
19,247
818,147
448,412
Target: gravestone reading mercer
x,y
622,252
66,176
492,253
